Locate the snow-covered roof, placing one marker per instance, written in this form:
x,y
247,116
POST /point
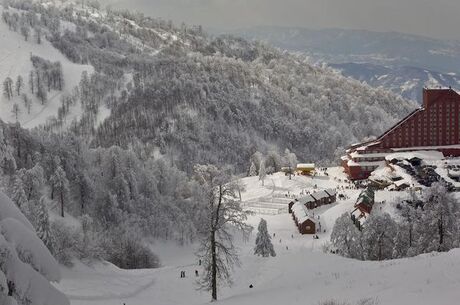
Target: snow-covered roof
x,y
423,155
355,154
401,183
306,199
367,163
306,165
331,192
320,195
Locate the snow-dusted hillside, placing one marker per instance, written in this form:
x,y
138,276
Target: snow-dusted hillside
x,y
15,55
300,273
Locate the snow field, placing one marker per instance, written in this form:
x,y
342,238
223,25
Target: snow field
x,y
301,273
15,60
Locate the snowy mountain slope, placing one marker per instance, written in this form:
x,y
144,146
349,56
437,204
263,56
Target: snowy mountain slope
x,y
15,55
300,273
407,81
400,62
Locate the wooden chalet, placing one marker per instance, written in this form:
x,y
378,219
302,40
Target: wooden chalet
x,y
304,222
316,199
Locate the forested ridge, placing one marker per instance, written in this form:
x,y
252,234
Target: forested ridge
x,y
196,98
177,97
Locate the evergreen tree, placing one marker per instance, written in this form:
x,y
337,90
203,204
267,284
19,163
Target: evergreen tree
x,y
43,226
19,196
60,186
264,246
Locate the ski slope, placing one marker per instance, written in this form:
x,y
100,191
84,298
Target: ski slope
x,y
301,273
15,55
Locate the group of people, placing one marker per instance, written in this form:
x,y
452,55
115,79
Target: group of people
x,y
182,273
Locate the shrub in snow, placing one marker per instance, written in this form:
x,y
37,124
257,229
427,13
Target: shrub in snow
x,y
264,246
127,251
26,265
64,238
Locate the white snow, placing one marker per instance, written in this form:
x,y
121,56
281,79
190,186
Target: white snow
x,y
15,60
25,261
299,274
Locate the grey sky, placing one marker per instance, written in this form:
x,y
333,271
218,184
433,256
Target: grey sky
x,y
435,18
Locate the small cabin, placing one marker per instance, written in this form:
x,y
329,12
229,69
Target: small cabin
x,y
307,226
307,169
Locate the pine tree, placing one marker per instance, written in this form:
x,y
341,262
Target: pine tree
x,y
43,226
264,246
262,172
19,196
60,186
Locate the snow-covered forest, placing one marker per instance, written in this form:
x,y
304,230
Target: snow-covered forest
x,y
101,145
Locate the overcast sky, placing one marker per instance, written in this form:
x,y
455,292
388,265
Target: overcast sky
x,y
435,18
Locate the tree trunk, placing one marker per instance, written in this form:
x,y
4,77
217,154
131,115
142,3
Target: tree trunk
x,y
62,203
213,266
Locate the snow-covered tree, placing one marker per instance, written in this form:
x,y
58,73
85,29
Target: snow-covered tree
x,y
378,237
264,246
437,229
8,88
26,265
18,195
252,170
224,212
7,161
346,238
32,181
27,102
262,172
290,160
406,239
43,226
60,187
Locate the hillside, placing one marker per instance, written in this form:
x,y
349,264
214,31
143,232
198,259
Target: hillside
x,y
15,60
407,81
402,63
198,99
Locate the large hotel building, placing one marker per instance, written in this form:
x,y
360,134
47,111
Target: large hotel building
x,y
434,126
